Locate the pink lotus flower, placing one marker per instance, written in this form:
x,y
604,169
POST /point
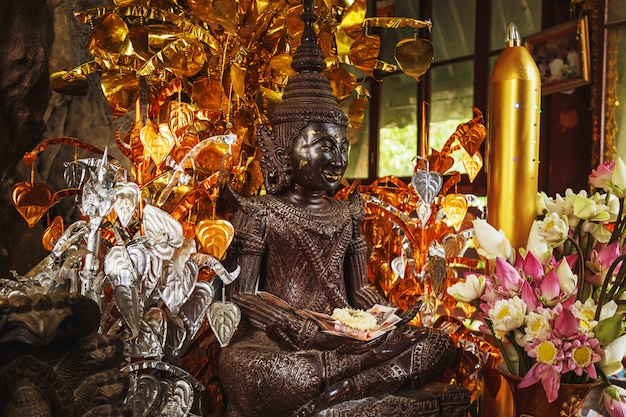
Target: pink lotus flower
x,y
508,277
614,399
549,357
600,263
600,176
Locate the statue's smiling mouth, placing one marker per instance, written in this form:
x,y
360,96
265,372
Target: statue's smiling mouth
x,y
332,175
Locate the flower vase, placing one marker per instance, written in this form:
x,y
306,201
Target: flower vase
x,y
532,401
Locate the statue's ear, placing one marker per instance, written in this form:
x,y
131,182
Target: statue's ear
x,y
274,162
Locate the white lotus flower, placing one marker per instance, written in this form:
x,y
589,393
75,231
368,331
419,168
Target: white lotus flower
x,y
469,290
492,243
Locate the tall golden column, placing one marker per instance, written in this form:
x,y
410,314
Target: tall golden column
x,y
513,146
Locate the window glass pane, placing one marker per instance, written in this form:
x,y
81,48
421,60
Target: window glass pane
x,y
526,14
617,10
397,146
453,28
451,103
390,37
617,42
359,149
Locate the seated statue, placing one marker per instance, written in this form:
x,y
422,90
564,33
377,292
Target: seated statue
x,y
305,247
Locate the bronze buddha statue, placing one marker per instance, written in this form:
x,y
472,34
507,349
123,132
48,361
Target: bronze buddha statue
x,y
305,247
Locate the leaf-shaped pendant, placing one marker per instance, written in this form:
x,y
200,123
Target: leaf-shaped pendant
x,y
455,207
427,184
472,164
224,317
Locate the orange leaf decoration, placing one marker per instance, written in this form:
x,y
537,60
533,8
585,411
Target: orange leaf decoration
x,y
32,200
157,143
215,236
474,137
53,233
472,164
455,207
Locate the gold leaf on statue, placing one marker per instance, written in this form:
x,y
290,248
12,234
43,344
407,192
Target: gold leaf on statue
x,y
53,233
32,200
215,236
472,164
414,56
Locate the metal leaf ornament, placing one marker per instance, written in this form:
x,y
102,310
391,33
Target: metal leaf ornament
x,y
127,197
224,317
455,207
163,231
158,142
424,212
215,235
427,184
473,164
75,173
32,200
52,233
414,56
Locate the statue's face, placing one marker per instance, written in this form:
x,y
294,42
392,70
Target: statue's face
x,y
319,156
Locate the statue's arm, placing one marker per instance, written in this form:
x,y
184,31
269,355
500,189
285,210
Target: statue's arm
x,y
361,294
246,251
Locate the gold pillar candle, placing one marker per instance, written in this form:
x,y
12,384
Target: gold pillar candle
x,y
513,147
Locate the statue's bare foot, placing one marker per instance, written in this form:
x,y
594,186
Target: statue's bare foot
x,y
335,394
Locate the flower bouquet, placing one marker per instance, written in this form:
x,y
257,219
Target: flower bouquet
x,y
555,308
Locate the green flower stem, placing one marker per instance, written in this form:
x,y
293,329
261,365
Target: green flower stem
x,y
603,292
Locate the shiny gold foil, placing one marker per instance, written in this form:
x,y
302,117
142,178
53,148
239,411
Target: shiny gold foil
x,y
513,164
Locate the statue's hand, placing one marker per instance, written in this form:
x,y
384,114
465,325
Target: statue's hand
x,y
410,314
286,328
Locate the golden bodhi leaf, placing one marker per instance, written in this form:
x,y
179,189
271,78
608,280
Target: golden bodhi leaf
x,y
121,90
455,207
414,56
32,200
110,38
364,53
472,164
207,94
157,143
215,236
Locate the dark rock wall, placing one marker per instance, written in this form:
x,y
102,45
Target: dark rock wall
x,y
37,38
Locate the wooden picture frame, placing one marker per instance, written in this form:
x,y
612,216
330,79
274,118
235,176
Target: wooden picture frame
x,y
562,55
